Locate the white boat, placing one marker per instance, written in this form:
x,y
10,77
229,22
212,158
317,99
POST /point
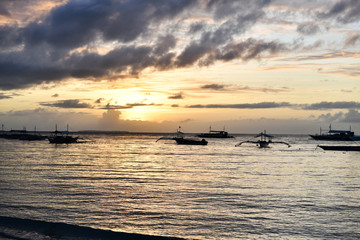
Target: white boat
x,y
215,134
264,141
336,135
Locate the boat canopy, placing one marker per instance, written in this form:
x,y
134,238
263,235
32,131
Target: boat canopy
x,y
264,135
340,131
62,132
216,131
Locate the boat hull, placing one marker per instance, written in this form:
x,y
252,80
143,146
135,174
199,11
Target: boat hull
x,y
183,141
331,138
63,140
341,148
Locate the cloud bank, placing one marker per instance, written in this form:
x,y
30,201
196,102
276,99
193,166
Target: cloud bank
x,y
265,105
112,39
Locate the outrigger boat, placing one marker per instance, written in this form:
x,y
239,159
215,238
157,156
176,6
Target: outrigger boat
x,y
215,134
60,137
179,138
264,141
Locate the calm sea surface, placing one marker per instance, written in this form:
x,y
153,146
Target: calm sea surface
x,y
130,183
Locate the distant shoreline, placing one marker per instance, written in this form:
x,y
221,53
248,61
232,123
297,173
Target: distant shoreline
x,y
116,132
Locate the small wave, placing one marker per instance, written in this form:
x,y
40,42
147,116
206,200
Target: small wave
x,y
16,228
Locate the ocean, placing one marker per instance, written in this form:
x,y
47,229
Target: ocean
x,y
129,184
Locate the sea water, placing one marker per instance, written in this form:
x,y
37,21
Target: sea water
x,y
130,183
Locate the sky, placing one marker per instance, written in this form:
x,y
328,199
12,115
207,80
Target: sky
x,y
153,65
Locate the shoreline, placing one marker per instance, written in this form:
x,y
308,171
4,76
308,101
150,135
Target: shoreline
x,y
19,228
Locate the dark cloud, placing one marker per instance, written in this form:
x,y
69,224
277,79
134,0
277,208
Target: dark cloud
x,y
344,11
213,86
207,53
213,44
224,8
21,71
164,44
78,22
192,54
4,96
244,105
10,36
115,107
352,40
314,106
47,44
55,95
4,9
328,55
179,95
143,34
128,106
197,27
99,100
308,28
17,71
332,105
70,103
265,90
250,49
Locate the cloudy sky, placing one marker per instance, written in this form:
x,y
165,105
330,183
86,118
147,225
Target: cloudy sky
x,y
152,65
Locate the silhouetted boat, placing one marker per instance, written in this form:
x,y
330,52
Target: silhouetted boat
x,y
340,148
32,137
336,135
62,137
264,141
184,141
189,141
215,134
22,135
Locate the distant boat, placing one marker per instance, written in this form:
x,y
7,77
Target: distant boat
x,y
215,134
62,137
32,137
179,138
340,148
264,141
336,135
22,135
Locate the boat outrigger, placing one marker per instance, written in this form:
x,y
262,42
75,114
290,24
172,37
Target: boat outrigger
x,y
215,134
179,138
264,141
